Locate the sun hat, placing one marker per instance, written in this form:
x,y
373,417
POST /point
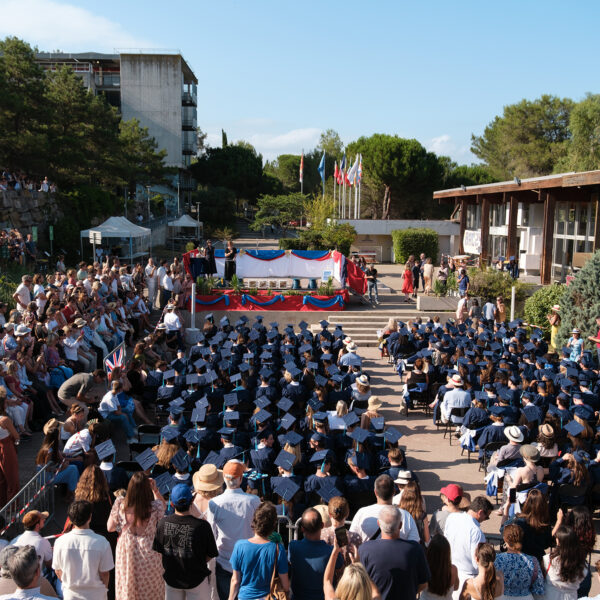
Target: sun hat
x,y
51,425
347,340
514,434
575,330
363,380
208,478
456,380
374,403
79,322
547,430
22,330
556,308
403,477
352,347
452,491
530,452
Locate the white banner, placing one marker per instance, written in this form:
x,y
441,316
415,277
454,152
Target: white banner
x,y
472,241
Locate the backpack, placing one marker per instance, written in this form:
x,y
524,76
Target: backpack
x,y
59,375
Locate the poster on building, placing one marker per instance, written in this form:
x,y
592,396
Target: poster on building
x,y
472,241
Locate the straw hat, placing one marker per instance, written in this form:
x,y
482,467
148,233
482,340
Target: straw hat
x,y
51,425
363,380
556,308
514,434
530,452
374,403
547,430
403,477
207,479
456,380
352,347
575,330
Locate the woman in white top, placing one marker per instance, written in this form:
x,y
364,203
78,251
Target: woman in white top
x,y
428,275
565,566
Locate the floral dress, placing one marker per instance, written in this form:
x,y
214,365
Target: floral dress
x,y
354,541
522,575
138,568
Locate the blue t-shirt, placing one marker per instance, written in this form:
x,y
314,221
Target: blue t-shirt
x,y
308,560
255,563
463,283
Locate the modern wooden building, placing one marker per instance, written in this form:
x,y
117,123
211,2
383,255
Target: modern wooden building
x,y
550,223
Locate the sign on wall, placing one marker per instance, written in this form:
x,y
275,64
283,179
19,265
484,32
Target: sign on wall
x,y
472,241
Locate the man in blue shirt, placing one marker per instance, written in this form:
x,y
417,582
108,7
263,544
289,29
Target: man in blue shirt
x,y
308,558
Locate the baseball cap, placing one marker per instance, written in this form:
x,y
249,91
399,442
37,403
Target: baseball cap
x,y
452,491
33,517
235,468
181,495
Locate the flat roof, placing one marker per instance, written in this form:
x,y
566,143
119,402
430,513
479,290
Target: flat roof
x,y
571,179
386,226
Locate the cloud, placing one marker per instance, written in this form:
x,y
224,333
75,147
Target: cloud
x,y
51,25
441,145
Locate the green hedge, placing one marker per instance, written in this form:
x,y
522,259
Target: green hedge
x,y
292,244
415,241
489,284
538,306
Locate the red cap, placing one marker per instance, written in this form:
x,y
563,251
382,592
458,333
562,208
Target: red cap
x,y
452,492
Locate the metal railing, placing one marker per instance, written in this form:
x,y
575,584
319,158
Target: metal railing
x,y
37,493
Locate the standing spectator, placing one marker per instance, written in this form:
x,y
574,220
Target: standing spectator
x,y
34,522
24,568
453,498
500,310
422,261
442,275
9,463
372,283
309,557
407,282
45,185
186,543
30,249
256,560
576,344
565,566
428,276
462,308
135,516
151,281
230,253
397,567
82,559
489,313
463,532
209,255
365,520
160,275
488,583
444,575
463,283
232,514
22,295
416,276
354,584
339,510
166,289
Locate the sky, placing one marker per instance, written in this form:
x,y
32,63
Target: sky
x,y
277,73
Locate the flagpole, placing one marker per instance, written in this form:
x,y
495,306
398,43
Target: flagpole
x,y
355,199
302,172
334,185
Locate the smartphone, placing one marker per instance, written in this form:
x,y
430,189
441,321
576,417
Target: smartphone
x,y
512,495
341,535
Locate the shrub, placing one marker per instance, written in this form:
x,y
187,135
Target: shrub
x,y
489,283
538,306
439,288
7,288
292,244
580,303
415,241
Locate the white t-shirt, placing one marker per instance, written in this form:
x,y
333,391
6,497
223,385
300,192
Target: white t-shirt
x,y
38,291
79,442
150,271
82,555
108,404
172,321
365,523
24,294
33,538
463,533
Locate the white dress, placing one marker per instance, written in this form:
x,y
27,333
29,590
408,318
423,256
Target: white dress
x,y
557,589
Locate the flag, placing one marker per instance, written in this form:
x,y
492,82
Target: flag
x,y
301,168
336,173
359,176
353,171
114,359
322,167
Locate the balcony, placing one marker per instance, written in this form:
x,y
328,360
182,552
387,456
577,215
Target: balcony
x,y
189,99
189,148
189,123
107,80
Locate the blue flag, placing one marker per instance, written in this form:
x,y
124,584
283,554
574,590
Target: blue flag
x,y
322,167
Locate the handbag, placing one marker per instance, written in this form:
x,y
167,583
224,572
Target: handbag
x,y
276,591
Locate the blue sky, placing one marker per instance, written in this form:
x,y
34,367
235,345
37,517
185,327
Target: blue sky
x,y
276,73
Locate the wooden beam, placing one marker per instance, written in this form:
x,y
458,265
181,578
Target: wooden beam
x,y
596,200
485,228
511,244
463,225
547,239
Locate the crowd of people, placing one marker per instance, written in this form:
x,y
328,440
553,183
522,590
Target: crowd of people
x,y
264,466
19,181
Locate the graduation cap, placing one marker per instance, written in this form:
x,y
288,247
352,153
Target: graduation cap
x,y
392,435
320,380
323,323
266,373
327,492
213,458
315,404
204,351
191,379
295,372
226,432
303,324
320,417
285,460
284,404
225,352
198,416
224,365
305,348
231,416
360,460
583,412
332,369
262,402
244,367
338,333
350,419
175,410
169,433
571,372
496,410
287,421
146,459
168,374
326,344
235,377
274,324
254,335
230,399
574,428
208,317
262,416
378,423
286,488
495,347
313,366
181,461
178,365
233,336
224,321
529,347
292,438
265,356
321,456
505,395
271,335
359,435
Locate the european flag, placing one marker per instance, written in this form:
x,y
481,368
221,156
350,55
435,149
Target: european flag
x,y
322,167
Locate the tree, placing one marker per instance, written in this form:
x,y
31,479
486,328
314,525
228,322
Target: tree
x,y
584,124
580,302
456,175
399,170
278,211
331,143
201,140
528,140
223,139
318,210
23,111
238,168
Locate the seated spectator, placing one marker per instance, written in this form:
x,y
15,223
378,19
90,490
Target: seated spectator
x,y
25,571
487,584
444,575
565,566
7,584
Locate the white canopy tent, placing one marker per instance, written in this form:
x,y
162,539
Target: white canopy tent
x,y
138,238
182,223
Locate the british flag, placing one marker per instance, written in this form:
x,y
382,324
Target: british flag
x,y
115,359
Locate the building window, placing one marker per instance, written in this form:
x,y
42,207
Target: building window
x,y
524,214
473,220
498,215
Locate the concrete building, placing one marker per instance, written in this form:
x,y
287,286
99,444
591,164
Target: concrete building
x,y
550,224
158,89
375,235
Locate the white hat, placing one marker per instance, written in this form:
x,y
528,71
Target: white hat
x,y
403,477
347,340
556,308
363,380
22,330
514,434
352,347
575,330
456,380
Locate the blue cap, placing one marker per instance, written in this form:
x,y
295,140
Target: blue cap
x,y
292,438
574,428
327,492
287,421
181,495
181,461
285,460
285,487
